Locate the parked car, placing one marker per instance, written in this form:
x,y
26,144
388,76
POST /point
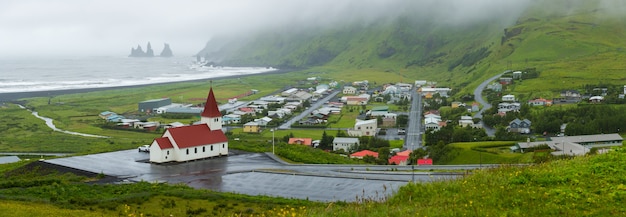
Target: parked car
x,y
144,148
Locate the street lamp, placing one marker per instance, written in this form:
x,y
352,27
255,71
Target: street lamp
x,y
273,140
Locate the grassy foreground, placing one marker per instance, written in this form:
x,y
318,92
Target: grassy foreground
x,y
583,186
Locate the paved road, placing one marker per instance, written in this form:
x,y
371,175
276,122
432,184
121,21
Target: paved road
x,y
316,105
261,174
413,138
478,96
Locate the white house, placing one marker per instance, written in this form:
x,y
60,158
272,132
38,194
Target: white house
x,y
289,92
507,107
345,143
349,90
186,143
466,121
431,123
364,128
442,91
263,121
508,98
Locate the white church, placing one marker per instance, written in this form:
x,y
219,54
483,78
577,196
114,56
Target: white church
x,y
186,143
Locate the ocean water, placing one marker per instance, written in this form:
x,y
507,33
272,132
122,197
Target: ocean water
x,y
36,74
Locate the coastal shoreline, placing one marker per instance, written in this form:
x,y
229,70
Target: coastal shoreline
x,y
18,96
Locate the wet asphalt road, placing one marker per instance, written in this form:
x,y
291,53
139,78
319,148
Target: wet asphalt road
x,y
258,174
478,96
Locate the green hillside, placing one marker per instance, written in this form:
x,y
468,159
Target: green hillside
x,y
571,43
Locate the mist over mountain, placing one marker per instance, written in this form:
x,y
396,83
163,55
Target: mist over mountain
x,y
423,37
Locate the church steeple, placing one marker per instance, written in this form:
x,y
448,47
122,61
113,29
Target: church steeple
x,y
211,114
210,106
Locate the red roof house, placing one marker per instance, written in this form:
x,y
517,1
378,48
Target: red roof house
x,y
364,153
399,160
186,143
300,141
404,153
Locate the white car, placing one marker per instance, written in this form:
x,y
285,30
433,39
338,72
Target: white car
x,y
144,148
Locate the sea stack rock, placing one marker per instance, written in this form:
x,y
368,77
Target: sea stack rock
x,y
167,52
149,51
137,52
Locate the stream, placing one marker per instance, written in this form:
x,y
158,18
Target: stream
x,y
50,124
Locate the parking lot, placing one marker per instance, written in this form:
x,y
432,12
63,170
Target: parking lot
x,y
252,174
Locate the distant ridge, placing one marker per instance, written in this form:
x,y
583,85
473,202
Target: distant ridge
x,y
138,52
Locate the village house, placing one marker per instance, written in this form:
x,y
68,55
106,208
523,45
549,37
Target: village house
x,y
251,127
399,160
506,80
231,119
508,107
571,94
263,121
362,85
289,92
364,128
300,141
361,154
345,143
519,126
442,91
540,102
596,99
508,98
186,143
517,75
475,107
432,122
466,121
495,86
105,114
349,90
419,83
378,111
457,104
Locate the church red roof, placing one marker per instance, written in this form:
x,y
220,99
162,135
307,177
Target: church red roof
x,y
196,135
164,143
210,107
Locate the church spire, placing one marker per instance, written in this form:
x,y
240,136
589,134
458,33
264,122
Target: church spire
x,y
210,107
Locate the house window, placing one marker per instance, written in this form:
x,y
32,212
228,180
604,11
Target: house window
x,y
211,147
195,150
168,153
187,151
203,148
223,146
216,119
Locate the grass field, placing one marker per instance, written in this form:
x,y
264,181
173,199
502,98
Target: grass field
x,y
496,152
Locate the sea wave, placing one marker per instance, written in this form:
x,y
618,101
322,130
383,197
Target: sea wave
x,y
115,76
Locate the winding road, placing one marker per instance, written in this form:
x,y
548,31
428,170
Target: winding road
x,y
478,96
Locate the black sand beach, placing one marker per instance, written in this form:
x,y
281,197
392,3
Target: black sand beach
x,y
14,97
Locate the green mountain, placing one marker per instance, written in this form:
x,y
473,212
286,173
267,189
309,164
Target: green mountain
x,y
571,42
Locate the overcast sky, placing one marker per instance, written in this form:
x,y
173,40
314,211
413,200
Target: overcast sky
x,y
110,28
